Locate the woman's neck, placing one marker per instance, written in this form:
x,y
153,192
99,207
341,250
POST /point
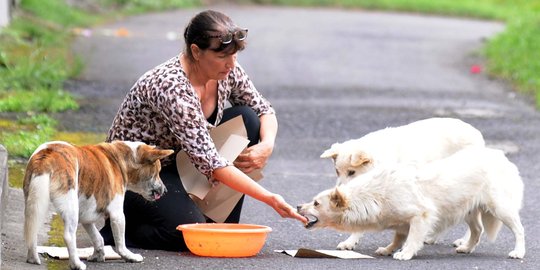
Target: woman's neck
x,y
195,77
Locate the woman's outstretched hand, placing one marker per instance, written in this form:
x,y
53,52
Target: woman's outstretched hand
x,y
284,209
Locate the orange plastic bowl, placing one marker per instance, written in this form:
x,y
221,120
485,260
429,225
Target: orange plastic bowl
x,y
224,239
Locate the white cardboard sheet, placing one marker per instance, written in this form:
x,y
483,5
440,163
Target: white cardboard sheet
x,y
217,200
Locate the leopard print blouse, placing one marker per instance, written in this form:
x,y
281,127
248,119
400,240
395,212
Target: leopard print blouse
x,y
163,109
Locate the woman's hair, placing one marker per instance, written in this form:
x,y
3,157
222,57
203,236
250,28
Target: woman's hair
x,y
203,28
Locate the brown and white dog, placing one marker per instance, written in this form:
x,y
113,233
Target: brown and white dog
x,y
85,184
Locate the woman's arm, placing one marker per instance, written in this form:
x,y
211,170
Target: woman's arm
x,y
269,128
256,156
237,180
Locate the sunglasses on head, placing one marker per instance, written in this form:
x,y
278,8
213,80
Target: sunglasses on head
x,y
238,35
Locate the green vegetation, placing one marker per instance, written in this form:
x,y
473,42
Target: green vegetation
x,y
140,6
511,55
41,100
36,60
23,136
488,9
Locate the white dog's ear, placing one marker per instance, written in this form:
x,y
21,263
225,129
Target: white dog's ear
x,y
360,159
338,199
332,152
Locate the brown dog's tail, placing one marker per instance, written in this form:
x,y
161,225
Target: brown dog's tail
x,y
35,211
492,225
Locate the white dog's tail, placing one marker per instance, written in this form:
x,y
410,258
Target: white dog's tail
x,y
492,225
36,207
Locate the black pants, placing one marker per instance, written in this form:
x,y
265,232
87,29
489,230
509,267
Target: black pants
x,y
152,225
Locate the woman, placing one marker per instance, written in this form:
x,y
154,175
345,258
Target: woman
x,y
173,106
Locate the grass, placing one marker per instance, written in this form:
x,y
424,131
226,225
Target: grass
x,y
36,60
511,55
488,9
23,136
41,100
27,66
141,6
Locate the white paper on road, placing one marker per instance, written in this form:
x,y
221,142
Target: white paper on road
x,y
61,253
324,253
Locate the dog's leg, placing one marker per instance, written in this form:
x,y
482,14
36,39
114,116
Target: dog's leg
x,y
507,211
351,242
68,208
399,238
97,241
418,230
463,239
476,229
118,226
513,222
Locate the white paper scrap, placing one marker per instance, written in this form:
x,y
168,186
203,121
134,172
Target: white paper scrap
x,y
324,253
61,253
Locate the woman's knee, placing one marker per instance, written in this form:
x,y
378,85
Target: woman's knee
x,y
250,118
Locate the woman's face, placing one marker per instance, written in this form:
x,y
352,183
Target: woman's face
x,y
216,65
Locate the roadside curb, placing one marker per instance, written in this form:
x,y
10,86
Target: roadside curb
x,y
3,187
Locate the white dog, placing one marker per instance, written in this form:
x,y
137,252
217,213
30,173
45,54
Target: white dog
x,y
420,142
86,183
476,185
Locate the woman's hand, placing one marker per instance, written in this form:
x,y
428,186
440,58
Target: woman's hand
x,y
254,157
284,209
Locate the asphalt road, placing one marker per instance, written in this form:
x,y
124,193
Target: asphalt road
x,y
332,75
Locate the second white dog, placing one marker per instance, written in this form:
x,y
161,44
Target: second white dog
x,y
421,141
477,185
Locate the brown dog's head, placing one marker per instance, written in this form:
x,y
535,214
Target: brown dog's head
x,y
326,209
143,168
349,160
